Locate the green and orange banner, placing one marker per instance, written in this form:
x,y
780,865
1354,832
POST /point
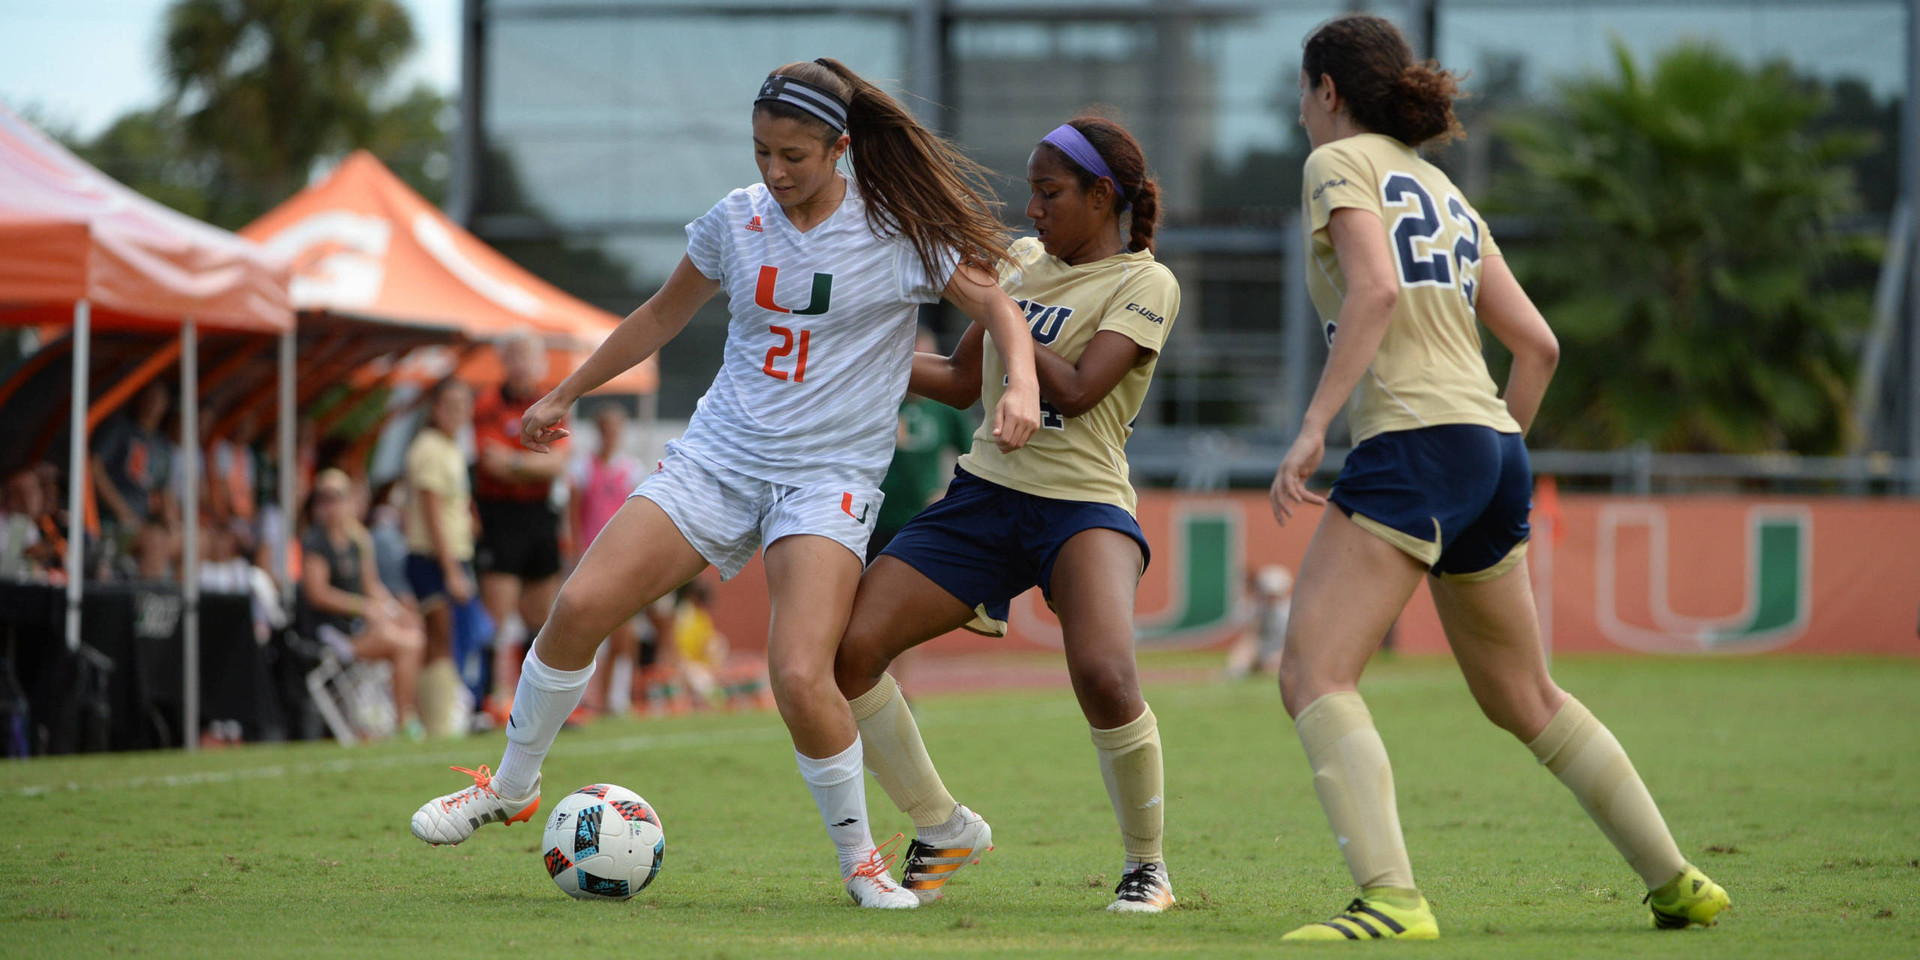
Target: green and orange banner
x,y
1690,576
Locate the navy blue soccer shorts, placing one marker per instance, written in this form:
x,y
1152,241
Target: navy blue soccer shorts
x,y
1455,497
986,544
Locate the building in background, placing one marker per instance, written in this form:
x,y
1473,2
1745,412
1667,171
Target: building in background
x,y
597,128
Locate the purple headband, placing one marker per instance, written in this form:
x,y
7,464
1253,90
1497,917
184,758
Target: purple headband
x,y
1080,150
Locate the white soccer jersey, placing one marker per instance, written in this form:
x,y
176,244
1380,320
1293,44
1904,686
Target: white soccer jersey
x,y
819,344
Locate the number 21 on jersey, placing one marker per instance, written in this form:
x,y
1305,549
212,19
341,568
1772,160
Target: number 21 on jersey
x,y
784,348
818,303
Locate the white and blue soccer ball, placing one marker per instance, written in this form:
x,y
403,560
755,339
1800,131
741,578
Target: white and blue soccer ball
x,y
603,842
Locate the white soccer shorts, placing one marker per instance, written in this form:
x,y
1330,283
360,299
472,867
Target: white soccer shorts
x,y
727,516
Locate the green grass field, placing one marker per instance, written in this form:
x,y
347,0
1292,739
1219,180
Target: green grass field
x,y
1792,782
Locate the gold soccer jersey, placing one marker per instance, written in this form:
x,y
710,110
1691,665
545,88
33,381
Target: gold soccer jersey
x,y
1429,370
1084,457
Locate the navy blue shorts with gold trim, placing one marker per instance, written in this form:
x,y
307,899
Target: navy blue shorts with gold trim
x,y
1455,497
986,544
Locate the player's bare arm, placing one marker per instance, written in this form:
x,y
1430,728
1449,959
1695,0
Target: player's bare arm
x,y
1513,320
637,337
1078,386
953,379
1017,416
1360,242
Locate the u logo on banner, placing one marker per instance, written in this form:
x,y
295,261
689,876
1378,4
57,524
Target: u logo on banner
x,y
1778,598
1205,559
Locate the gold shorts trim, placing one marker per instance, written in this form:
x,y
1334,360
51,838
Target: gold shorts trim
x,y
1427,552
1495,572
985,625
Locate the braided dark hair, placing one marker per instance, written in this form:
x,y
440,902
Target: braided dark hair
x,y
1137,188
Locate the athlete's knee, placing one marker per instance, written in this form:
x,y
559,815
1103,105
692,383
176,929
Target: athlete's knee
x,y
1303,680
858,663
1522,707
576,618
795,673
570,606
1106,690
855,671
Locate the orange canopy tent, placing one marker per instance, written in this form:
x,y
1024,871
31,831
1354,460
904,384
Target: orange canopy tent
x,y
69,234
77,247
364,245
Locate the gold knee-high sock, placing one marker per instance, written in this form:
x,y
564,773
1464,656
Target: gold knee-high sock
x,y
1136,783
1585,756
897,756
1355,784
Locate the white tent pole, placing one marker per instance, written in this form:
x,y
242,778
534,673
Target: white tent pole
x,y
283,557
190,561
77,469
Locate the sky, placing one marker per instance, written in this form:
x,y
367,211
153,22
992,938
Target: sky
x,y
84,62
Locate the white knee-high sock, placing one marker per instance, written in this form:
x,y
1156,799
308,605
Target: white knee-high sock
x,y
839,787
541,704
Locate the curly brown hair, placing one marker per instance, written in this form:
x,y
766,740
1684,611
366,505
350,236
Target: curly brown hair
x,y
1386,90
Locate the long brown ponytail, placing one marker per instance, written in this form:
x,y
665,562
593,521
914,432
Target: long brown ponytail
x,y
916,184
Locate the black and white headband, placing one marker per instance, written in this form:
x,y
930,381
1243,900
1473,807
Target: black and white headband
x,y
817,101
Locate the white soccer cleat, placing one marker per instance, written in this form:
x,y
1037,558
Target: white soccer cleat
x,y
870,885
1144,890
930,865
454,817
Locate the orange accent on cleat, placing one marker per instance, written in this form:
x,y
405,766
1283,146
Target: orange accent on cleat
x,y
527,814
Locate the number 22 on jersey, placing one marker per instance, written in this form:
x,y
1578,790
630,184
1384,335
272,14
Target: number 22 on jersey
x,y
1423,259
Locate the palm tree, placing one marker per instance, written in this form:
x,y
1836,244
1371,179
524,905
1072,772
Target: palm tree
x,y
1688,271
268,87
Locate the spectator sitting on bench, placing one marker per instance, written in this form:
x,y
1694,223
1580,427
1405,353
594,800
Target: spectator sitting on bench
x,y
25,551
342,602
132,461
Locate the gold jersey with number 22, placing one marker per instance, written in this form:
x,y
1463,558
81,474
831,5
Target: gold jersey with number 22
x,y
1429,370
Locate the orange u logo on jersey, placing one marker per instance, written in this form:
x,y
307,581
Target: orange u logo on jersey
x,y
816,304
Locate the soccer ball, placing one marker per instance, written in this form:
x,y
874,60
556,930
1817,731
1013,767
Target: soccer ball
x,y
603,843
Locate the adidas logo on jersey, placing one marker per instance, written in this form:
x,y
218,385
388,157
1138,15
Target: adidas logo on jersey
x,y
754,224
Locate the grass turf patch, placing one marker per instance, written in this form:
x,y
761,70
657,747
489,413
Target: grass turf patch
x,y
1790,781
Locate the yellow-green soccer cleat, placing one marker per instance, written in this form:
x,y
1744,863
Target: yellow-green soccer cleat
x,y
1366,919
1687,899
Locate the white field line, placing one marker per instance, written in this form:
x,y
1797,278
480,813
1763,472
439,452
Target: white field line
x,y
935,716
564,748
